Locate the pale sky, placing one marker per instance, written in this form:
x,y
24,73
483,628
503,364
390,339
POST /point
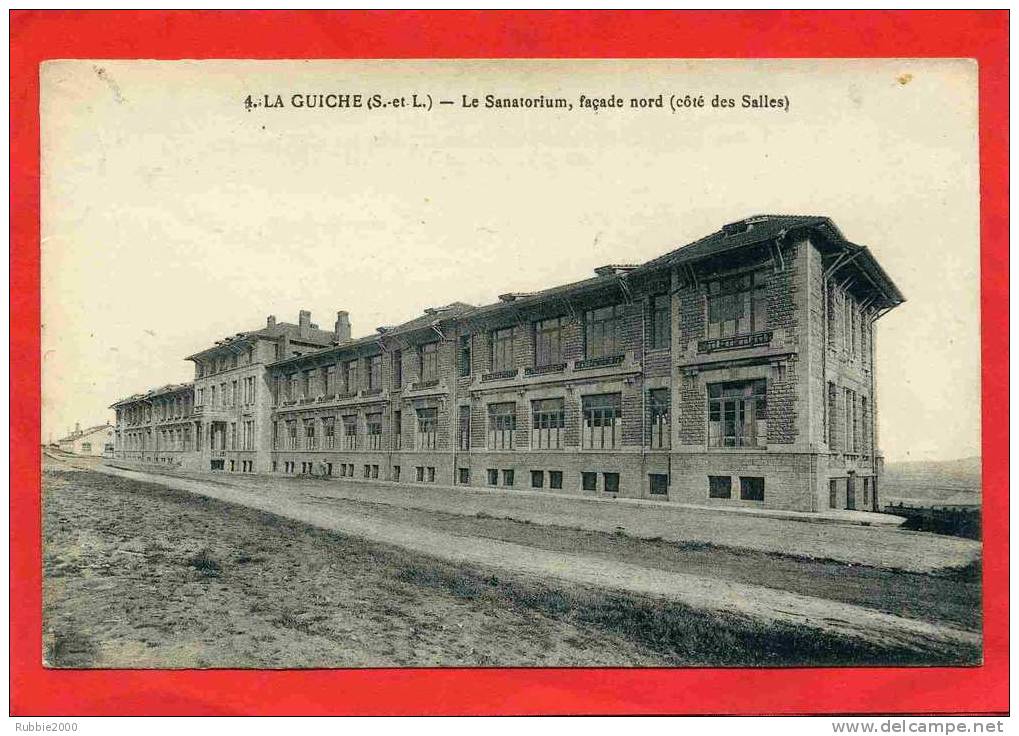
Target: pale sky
x,y
173,216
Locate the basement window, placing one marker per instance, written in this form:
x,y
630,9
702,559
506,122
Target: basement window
x,y
589,481
537,479
507,477
555,479
463,476
611,481
751,489
493,477
719,486
658,484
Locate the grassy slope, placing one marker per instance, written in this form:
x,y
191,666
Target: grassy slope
x,y
139,575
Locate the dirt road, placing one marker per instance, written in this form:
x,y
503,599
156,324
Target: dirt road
x,y
759,603
875,547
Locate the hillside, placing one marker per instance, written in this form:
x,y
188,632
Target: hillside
x,y
945,481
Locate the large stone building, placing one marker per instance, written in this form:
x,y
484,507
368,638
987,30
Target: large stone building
x,y
737,370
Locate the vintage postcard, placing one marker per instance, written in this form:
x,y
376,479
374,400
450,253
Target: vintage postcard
x,y
510,363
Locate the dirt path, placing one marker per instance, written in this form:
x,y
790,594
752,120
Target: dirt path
x,y
858,545
758,602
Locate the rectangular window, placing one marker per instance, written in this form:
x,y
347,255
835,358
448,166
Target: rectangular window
x,y
431,474
350,432
751,489
329,379
493,477
291,435
548,341
548,423
555,479
309,435
350,377
502,350
719,486
833,409
537,479
463,429
502,423
589,481
611,481
375,472
465,355
601,331
367,471
463,476
329,468
306,384
507,477
602,415
375,372
864,446
291,388
737,414
419,473
833,494
850,426
427,428
661,321
249,435
737,305
429,355
659,431
329,432
396,473
374,434
658,484
397,368
397,430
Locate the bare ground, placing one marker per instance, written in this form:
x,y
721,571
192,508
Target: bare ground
x,y
139,575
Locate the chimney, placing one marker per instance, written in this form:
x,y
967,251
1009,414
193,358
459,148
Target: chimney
x,y
341,332
304,323
271,321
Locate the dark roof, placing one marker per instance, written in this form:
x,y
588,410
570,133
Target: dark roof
x,y
743,233
76,435
432,316
576,287
152,393
762,228
315,336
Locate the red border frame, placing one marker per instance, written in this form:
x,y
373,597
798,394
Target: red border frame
x,y
40,35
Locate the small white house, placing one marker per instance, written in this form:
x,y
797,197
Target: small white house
x,y
96,441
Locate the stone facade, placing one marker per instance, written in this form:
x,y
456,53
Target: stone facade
x,y
733,371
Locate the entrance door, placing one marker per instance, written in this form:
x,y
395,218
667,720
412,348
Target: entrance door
x,y
851,491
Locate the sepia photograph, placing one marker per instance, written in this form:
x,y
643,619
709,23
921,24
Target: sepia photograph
x,y
632,363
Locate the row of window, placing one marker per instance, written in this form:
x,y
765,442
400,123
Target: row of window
x,y
224,363
733,306
325,381
737,417
175,408
603,338
751,488
848,421
848,323
228,395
